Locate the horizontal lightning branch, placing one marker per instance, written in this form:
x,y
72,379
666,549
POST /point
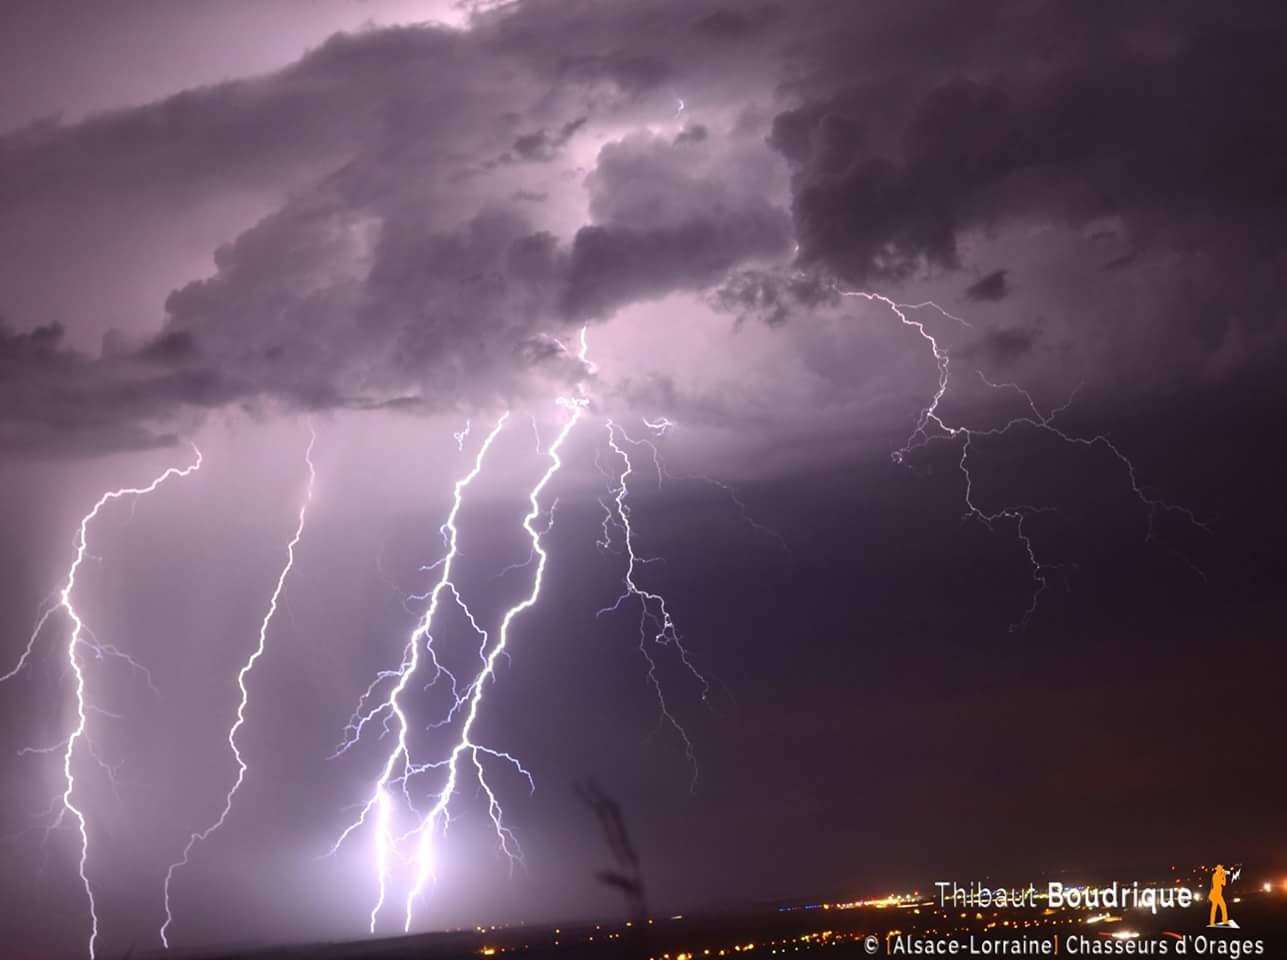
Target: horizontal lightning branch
x,y
931,426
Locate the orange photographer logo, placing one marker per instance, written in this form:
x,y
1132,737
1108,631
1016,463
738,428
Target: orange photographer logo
x,y
1219,879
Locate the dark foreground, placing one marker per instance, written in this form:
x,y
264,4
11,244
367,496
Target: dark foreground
x,y
914,928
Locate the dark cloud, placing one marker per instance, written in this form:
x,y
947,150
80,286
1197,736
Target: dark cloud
x,y
391,272
55,401
176,346
735,24
772,297
434,313
999,348
443,314
869,214
613,265
258,131
695,133
665,220
541,145
390,268
992,287
1163,127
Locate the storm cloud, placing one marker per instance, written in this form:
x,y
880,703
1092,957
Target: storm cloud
x,y
377,241
390,262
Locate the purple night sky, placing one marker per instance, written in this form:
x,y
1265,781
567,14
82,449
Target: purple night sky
x,y
230,223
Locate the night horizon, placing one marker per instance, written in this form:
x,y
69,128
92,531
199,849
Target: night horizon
x,y
466,463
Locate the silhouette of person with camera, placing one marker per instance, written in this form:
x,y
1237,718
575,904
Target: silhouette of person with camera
x,y
1218,880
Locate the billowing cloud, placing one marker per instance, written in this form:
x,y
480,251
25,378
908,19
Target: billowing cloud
x,y
387,246
1152,118
55,401
667,216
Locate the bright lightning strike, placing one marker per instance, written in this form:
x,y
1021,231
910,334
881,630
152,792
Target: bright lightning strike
x,y
399,767
439,812
77,637
931,426
242,675
391,707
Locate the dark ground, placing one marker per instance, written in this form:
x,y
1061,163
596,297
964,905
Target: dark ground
x,y
775,930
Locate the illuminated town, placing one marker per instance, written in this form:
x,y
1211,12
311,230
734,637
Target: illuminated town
x,y
895,923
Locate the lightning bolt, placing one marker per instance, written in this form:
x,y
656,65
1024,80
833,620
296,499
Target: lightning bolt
x,y
76,638
242,675
654,616
931,426
439,811
391,706
399,767
660,427
460,435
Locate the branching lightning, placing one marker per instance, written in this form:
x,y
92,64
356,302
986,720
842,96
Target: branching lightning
x,y
656,626
395,800
399,767
930,426
242,675
439,812
77,637
660,427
